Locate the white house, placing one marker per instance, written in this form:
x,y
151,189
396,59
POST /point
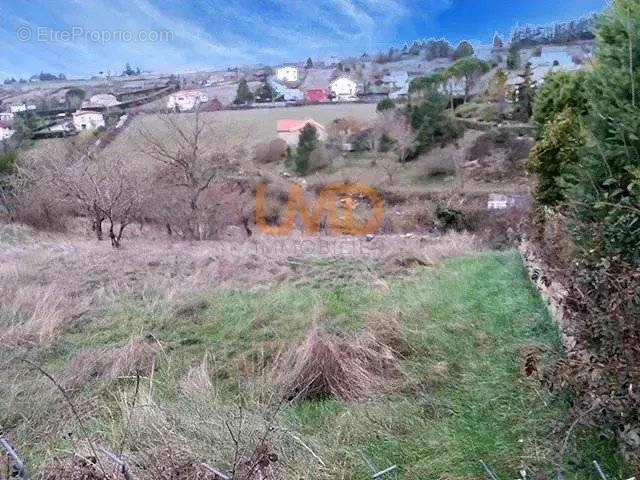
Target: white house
x,y
21,107
398,84
6,116
102,100
289,130
86,120
186,100
344,88
554,56
287,73
6,131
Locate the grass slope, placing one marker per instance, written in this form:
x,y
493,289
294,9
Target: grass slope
x,y
467,323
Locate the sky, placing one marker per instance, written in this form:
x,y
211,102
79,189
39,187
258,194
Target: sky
x,y
82,38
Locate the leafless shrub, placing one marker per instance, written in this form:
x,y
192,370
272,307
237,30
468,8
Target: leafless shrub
x,y
78,180
343,130
439,166
320,158
30,199
271,152
397,128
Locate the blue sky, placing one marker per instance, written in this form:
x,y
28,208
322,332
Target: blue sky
x,y
83,37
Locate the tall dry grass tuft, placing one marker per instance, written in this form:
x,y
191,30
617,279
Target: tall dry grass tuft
x,y
137,357
32,315
327,366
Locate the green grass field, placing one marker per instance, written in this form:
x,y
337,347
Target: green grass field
x,y
464,399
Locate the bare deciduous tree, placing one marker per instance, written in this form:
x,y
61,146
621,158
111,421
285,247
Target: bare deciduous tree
x,y
397,128
107,190
192,156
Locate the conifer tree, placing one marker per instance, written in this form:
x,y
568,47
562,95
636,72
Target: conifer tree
x,y
607,195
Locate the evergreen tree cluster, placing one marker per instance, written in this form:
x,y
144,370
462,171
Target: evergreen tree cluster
x,y
529,35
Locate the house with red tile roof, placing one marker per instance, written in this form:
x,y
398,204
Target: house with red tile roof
x,y
316,95
289,130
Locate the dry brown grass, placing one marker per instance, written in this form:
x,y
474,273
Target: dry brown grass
x,y
137,357
33,315
328,366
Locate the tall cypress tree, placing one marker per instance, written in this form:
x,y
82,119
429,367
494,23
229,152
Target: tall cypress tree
x,y
606,218
307,143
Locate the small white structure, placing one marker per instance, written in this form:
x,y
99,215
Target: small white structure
x,y
186,100
21,107
287,73
6,131
289,130
344,88
6,116
86,120
103,100
554,56
500,201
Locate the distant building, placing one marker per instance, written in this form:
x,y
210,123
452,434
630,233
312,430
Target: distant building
x,y
398,84
316,95
6,131
287,73
22,108
86,120
286,93
6,117
289,130
186,100
554,56
344,88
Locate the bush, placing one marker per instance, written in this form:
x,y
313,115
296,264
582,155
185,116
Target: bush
x,y
271,152
555,157
320,158
363,140
606,196
560,91
467,110
386,104
433,123
439,167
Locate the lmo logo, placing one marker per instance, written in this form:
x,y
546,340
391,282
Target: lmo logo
x,y
337,201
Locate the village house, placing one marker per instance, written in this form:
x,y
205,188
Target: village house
x,y
6,117
398,84
289,130
21,107
344,89
316,95
186,100
288,73
6,131
86,120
